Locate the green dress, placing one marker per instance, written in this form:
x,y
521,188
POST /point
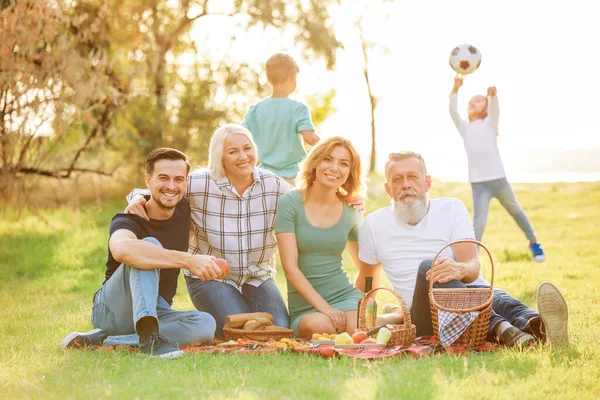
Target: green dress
x,y
319,256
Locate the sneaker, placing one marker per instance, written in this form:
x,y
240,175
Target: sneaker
x,y
554,314
157,346
514,337
389,308
75,340
537,252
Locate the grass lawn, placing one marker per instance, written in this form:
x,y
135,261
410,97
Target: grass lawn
x,y
50,270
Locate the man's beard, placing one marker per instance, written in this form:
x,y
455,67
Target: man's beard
x,y
411,213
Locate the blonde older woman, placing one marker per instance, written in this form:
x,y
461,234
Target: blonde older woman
x,y
233,207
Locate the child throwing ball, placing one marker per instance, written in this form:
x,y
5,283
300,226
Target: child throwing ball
x,y
486,172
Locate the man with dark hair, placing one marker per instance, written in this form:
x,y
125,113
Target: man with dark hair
x,y
144,259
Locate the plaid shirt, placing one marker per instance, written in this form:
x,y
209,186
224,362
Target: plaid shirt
x,y
240,229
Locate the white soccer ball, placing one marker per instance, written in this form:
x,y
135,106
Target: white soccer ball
x,y
465,59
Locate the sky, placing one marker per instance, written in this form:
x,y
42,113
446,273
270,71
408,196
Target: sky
x,y
541,55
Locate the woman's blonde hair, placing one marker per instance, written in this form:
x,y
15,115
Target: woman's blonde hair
x,y
217,144
354,185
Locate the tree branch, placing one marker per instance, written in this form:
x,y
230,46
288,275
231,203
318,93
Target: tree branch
x,y
92,134
61,173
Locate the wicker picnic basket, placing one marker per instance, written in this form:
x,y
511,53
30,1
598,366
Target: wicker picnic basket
x,y
462,301
259,336
402,333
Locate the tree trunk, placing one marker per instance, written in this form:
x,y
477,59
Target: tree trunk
x,y
161,100
372,102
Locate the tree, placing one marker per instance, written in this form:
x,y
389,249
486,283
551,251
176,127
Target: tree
x,y
161,34
364,45
86,84
321,106
55,90
362,14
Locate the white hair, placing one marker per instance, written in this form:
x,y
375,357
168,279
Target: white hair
x,y
217,144
402,156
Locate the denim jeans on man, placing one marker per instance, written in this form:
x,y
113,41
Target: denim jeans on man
x,y
220,300
131,294
483,192
504,306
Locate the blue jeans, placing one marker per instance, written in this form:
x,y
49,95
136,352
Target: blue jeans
x,y
131,294
483,192
221,299
504,307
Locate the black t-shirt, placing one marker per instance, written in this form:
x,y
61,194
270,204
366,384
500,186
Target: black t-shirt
x,y
172,233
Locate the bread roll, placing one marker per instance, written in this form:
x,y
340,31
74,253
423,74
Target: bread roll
x,y
237,321
251,325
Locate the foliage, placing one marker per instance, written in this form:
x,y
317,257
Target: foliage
x,y
321,106
56,95
91,85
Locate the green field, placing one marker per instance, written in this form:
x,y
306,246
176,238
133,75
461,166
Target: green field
x,y
52,266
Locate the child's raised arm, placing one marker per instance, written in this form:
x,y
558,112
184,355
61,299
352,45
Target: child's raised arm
x,y
453,106
493,107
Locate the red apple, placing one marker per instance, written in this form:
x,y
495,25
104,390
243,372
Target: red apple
x,y
369,341
359,336
224,265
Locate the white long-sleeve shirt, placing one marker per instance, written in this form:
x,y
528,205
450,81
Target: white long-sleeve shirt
x,y
480,141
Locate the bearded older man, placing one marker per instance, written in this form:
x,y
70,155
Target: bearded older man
x,y
405,237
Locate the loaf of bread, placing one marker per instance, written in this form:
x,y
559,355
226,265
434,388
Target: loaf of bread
x,y
251,325
237,321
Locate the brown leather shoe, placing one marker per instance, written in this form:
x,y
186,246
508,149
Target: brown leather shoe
x,y
514,337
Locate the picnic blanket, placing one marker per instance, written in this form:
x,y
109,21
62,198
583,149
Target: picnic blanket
x,y
423,347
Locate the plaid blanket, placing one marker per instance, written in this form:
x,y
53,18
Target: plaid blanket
x,y
423,347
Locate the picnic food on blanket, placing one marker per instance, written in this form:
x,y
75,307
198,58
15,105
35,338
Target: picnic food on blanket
x,y
359,336
287,344
384,335
237,321
323,336
369,341
227,344
254,326
251,325
271,329
343,338
224,265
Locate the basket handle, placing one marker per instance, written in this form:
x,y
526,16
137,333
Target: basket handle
x,y
464,241
363,308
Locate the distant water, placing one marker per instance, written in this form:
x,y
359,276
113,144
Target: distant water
x,y
540,177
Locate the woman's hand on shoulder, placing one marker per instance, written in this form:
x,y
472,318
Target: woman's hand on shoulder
x,y
358,203
136,206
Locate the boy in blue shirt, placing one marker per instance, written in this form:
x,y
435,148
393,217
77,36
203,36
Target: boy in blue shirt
x,y
278,124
